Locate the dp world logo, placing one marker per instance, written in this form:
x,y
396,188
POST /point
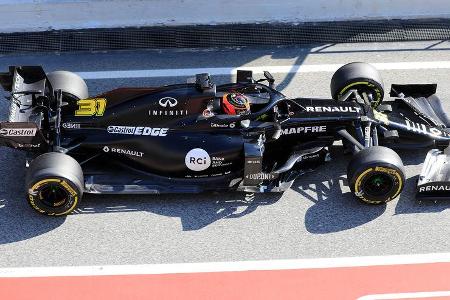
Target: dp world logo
x,y
168,102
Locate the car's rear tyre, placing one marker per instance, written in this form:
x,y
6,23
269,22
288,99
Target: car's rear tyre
x,y
358,76
54,183
376,175
73,86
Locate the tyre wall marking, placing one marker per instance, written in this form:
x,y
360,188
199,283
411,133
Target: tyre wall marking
x,y
379,169
64,184
394,172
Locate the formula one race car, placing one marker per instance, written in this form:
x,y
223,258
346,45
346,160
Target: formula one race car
x,y
195,137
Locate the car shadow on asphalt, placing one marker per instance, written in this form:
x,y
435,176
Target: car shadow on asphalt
x,y
334,207
195,211
335,210
18,221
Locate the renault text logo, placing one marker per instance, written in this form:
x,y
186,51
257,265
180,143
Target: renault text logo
x,y
168,101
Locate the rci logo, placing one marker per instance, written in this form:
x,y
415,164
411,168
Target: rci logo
x,y
197,160
168,101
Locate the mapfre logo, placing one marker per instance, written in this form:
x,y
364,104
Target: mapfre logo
x,y
197,160
168,102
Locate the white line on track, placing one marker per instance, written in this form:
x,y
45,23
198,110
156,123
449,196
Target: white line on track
x,y
417,65
416,295
294,264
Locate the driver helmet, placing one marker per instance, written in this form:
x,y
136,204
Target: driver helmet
x,y
235,104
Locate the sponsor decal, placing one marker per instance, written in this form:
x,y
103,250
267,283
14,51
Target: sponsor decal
x,y
367,136
18,80
250,161
197,160
422,128
311,156
107,149
383,118
216,125
219,162
133,130
19,145
344,109
434,188
91,107
207,113
261,176
306,129
71,125
168,102
18,131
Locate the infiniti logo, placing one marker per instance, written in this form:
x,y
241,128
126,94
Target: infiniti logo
x,y
168,101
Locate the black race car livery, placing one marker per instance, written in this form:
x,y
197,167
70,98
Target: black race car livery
x,y
178,139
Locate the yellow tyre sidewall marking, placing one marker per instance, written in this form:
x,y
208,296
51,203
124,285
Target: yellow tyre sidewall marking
x,y
42,182
382,170
64,184
377,91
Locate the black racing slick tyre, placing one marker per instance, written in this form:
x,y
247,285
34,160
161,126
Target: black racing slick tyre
x,y
73,86
358,76
54,183
376,175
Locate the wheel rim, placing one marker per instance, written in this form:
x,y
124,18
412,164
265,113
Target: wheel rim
x,y
371,94
53,195
378,184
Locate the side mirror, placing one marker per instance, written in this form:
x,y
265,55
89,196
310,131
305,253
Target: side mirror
x,y
203,81
269,78
244,76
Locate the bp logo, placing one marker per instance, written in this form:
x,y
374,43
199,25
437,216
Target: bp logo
x,y
197,160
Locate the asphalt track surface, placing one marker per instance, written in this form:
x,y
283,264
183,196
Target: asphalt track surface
x,y
318,217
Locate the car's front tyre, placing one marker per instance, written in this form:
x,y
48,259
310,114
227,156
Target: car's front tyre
x,y
376,175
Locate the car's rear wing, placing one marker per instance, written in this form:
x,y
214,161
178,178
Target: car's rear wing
x,y
412,90
22,130
22,82
21,135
